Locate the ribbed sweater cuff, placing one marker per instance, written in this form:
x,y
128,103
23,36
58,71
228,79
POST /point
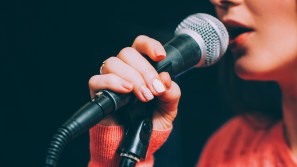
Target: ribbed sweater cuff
x,y
104,141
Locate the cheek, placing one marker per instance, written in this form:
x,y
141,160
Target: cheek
x,y
268,58
279,40
272,8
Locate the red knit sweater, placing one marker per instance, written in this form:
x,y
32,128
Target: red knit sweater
x,y
236,144
104,141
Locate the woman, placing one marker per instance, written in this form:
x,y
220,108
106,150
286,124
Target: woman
x,y
264,44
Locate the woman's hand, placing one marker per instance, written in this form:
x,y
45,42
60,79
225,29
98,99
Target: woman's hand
x,y
129,72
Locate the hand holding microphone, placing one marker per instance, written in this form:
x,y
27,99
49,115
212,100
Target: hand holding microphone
x,y
129,72
200,40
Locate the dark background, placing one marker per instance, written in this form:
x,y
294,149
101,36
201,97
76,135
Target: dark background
x,y
49,50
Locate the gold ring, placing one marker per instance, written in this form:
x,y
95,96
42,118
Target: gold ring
x,y
101,68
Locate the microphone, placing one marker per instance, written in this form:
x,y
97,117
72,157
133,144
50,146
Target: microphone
x,y
200,40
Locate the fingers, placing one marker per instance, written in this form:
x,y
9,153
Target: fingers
x,y
109,81
150,47
166,79
150,76
133,67
172,93
167,104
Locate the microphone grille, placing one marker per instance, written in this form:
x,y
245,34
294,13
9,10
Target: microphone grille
x,y
210,34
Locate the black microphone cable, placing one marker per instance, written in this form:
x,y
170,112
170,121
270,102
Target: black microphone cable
x,y
135,142
137,122
104,103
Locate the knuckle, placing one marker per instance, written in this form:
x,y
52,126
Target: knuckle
x,y
110,60
140,38
111,79
157,43
109,63
148,73
93,80
126,53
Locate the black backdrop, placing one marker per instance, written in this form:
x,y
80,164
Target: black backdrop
x,y
49,50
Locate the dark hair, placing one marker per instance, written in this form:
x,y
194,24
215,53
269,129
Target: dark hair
x,y
259,99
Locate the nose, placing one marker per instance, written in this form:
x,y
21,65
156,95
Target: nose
x,y
225,3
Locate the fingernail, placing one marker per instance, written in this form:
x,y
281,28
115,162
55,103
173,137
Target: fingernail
x,y
146,93
158,86
159,52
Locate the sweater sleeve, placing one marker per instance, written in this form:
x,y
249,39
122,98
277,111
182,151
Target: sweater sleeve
x,y
104,141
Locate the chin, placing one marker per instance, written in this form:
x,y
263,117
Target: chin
x,y
249,71
248,76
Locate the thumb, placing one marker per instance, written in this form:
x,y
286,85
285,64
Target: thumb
x,y
168,101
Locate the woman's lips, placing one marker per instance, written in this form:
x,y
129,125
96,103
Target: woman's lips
x,y
238,45
239,40
239,32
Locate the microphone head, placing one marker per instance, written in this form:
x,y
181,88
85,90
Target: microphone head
x,y
210,34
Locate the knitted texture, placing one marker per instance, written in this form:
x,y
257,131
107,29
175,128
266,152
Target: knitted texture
x,y
236,144
240,144
104,141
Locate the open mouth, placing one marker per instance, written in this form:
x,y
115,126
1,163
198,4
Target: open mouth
x,y
237,31
236,28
